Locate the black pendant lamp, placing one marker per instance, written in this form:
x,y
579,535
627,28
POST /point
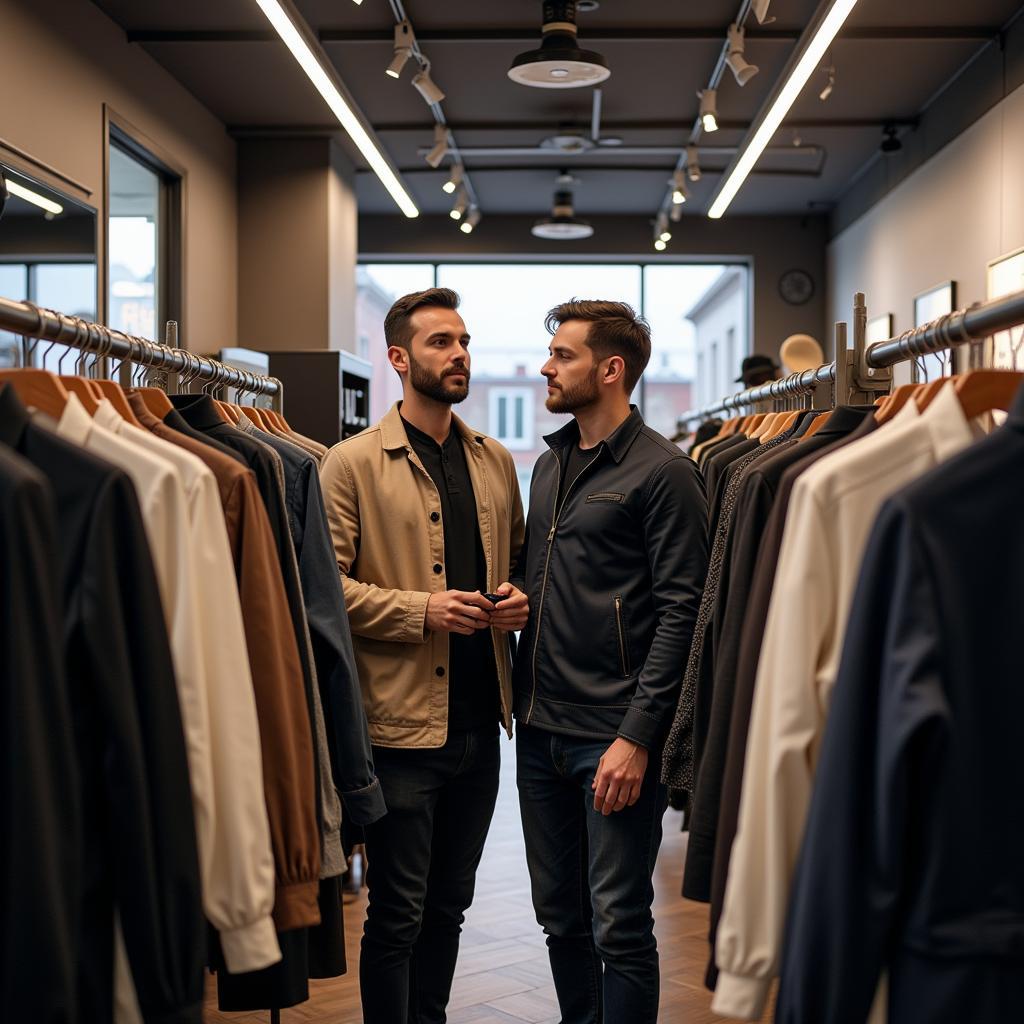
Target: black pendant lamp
x,y
562,225
559,63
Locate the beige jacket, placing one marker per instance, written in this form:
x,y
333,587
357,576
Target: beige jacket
x,y
385,517
831,512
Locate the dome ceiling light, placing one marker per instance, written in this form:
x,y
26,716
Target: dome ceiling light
x,y
562,225
559,63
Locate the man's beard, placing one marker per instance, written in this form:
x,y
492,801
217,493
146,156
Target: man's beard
x,y
577,397
431,386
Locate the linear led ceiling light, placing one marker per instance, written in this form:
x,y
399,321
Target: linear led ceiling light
x,y
34,197
708,109
471,221
403,49
454,180
742,71
347,117
809,58
692,163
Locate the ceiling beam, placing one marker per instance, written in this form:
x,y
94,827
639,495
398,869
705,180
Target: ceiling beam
x,y
551,127
898,33
667,168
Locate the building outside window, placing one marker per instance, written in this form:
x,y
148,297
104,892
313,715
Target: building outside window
x,y
511,417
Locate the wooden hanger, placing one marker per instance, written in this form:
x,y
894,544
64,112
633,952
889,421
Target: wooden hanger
x,y
895,402
155,400
928,391
232,412
112,391
87,395
766,426
786,420
982,391
816,424
38,389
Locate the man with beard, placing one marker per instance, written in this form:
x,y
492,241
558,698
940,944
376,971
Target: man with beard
x,y
613,563
426,519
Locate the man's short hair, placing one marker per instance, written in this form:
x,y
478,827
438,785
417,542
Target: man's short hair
x,y
398,323
616,329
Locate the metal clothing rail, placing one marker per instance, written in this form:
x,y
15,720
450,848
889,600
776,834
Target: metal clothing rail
x,y
860,372
31,321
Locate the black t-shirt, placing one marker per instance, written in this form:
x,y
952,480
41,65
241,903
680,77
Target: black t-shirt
x,y
574,460
472,674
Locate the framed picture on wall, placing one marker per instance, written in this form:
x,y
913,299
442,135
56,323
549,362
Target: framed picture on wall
x,y
879,328
1006,275
927,306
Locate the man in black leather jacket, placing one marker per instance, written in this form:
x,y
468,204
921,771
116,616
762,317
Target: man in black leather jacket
x,y
614,562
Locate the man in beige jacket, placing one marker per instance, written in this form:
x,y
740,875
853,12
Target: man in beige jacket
x,y
426,519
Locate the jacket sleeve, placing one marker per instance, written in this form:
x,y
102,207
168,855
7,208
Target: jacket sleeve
x,y
41,812
284,726
517,542
786,722
676,540
146,768
236,858
378,613
347,732
887,699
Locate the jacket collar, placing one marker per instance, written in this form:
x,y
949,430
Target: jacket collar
x,y
198,410
945,421
75,423
393,435
617,442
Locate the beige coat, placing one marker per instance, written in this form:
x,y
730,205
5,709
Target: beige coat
x,y
385,518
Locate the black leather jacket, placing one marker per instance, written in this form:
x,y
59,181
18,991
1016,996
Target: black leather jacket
x,y
614,577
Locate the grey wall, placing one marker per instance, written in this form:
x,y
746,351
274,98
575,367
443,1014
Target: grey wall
x,y
296,245
60,61
771,244
954,214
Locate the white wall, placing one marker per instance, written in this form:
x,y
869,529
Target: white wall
x,y
716,375
957,212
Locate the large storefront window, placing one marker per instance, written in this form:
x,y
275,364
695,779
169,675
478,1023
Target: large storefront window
x,y
698,315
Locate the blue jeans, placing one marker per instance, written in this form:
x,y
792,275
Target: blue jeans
x,y
422,859
591,878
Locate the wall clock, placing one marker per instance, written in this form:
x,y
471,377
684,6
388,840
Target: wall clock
x,y
796,287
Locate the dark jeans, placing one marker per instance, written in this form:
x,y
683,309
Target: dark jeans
x,y
422,858
591,877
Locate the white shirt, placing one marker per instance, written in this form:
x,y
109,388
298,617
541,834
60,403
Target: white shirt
x,y
832,509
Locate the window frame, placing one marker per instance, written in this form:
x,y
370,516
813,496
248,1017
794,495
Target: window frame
x,y
511,392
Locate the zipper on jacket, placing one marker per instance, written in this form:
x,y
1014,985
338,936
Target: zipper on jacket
x,y
623,654
555,515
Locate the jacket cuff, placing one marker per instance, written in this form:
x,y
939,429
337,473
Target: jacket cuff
x,y
295,906
640,727
740,997
415,627
332,855
251,947
365,806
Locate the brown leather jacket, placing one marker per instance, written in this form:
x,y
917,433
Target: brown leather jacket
x,y
380,501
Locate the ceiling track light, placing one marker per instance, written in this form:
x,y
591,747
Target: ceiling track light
x,y
440,148
660,244
559,63
471,221
693,171
680,193
890,143
709,109
742,71
454,179
661,228
813,45
458,211
830,83
676,213
300,48
425,85
404,41
760,9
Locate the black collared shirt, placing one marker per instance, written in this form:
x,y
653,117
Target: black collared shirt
x,y
472,672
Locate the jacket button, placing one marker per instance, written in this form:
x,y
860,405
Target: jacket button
x,y
439,670
437,567
435,517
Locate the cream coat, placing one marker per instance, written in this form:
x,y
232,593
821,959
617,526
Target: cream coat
x,y
380,501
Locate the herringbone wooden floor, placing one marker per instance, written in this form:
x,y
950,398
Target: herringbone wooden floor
x,y
503,975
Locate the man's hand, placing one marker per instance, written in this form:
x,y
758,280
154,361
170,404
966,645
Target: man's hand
x,y
456,611
511,613
620,773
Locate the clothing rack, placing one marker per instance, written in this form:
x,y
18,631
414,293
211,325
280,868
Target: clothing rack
x,y
865,372
181,366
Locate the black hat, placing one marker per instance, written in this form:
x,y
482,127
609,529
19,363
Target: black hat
x,y
755,364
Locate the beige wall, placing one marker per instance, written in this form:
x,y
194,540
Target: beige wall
x,y
60,62
960,210
296,245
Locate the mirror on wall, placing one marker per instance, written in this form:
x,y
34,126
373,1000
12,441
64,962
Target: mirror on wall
x,y
47,255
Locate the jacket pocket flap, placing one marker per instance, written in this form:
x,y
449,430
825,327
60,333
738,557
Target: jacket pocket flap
x,y
606,496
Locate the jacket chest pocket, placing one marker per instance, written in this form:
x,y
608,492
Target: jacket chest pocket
x,y
620,626
616,497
